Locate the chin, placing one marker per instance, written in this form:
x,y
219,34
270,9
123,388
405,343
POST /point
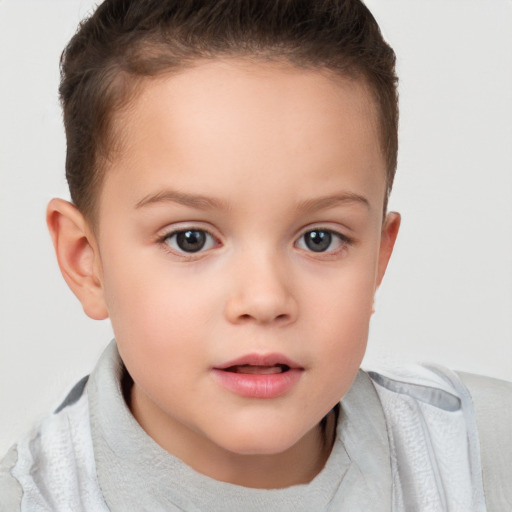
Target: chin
x,y
264,441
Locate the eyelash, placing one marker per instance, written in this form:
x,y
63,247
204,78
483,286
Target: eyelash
x,y
212,241
343,241
165,239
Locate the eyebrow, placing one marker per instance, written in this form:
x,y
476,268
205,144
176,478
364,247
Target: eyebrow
x,y
208,203
322,203
191,200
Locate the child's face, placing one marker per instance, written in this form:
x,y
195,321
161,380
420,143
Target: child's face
x,y
240,223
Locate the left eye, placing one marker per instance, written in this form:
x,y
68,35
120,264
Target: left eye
x,y
190,240
321,240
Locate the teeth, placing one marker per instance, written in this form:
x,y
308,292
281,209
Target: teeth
x,y
258,370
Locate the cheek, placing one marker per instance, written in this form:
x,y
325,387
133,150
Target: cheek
x,y
343,299
157,323
340,316
148,289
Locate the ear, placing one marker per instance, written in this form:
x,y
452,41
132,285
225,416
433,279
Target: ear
x,y
387,241
77,255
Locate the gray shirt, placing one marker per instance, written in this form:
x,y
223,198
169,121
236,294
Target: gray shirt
x,y
387,456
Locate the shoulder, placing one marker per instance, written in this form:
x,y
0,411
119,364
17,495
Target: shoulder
x,y
432,437
23,458
10,489
52,468
490,396
447,389
420,388
463,418
492,401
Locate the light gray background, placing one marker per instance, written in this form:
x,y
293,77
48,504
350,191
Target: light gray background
x,y
447,297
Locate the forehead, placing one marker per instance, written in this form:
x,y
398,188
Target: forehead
x,y
206,93
225,121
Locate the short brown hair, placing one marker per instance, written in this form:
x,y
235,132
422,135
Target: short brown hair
x,y
127,40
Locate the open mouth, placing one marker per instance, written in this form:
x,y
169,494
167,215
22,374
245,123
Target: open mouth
x,y
250,369
259,376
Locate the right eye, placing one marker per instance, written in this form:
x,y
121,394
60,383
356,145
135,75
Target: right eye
x,y
189,240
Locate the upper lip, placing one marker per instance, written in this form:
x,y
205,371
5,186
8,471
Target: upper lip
x,y
260,360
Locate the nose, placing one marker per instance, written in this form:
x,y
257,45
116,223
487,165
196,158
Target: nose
x,y
261,292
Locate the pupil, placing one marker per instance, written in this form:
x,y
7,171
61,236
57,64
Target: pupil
x,y
318,241
191,241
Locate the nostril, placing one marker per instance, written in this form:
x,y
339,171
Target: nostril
x,y
246,317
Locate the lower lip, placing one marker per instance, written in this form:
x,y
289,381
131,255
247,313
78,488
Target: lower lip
x,y
258,386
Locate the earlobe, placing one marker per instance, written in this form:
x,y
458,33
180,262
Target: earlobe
x,y
77,255
388,237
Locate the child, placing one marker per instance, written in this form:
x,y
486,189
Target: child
x,y
229,164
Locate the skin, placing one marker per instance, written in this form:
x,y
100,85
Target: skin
x,y
256,154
